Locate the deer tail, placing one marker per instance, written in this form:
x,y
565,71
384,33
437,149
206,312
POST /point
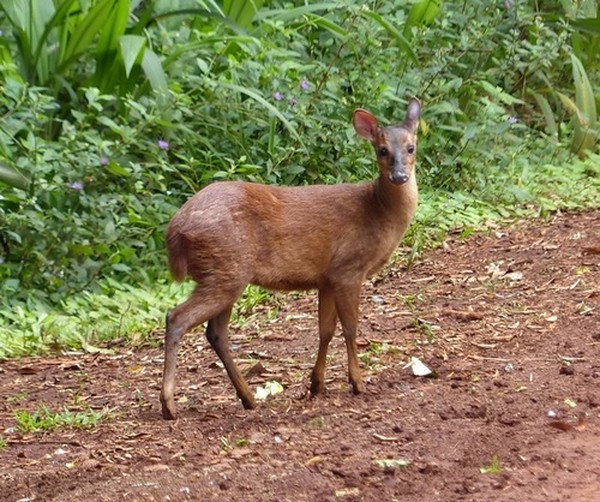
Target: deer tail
x,y
176,247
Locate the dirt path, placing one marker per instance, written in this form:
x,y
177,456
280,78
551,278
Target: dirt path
x,y
510,323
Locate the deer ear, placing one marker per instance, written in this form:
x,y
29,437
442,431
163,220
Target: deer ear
x,y
365,124
413,113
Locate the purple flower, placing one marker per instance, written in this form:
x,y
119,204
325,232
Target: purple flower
x,y
278,96
293,101
163,144
76,185
512,119
304,85
103,160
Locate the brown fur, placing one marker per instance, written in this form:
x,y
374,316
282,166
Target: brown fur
x,y
329,238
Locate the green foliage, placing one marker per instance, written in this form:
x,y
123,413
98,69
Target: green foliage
x,y
97,197
43,419
86,321
93,162
54,41
53,36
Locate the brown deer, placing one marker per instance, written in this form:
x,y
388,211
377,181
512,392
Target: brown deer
x,y
325,237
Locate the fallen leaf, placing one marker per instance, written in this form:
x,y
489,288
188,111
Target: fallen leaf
x,y
514,276
418,368
270,389
494,270
347,492
392,463
314,460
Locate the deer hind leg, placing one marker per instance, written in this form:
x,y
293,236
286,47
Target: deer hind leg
x,y
346,302
327,322
216,333
201,306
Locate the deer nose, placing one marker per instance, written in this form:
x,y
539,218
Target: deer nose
x,y
398,177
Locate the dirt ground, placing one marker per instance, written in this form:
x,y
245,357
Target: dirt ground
x,y
508,322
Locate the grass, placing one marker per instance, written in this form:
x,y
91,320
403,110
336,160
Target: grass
x,y
493,468
43,419
122,312
372,357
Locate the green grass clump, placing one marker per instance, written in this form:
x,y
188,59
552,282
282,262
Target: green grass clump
x,y
43,420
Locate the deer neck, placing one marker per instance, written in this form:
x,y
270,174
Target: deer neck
x,y
397,202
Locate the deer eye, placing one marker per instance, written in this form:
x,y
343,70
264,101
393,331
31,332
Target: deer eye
x,y
410,149
382,151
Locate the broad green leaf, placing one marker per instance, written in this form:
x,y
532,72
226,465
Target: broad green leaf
x,y
584,93
29,22
287,15
423,12
110,36
154,72
336,29
584,136
13,178
86,30
547,113
131,48
570,105
499,94
306,11
51,34
241,12
590,25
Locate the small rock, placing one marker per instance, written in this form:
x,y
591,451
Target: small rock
x,y
566,370
397,428
224,485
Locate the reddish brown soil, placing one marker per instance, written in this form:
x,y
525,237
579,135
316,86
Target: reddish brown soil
x,y
509,322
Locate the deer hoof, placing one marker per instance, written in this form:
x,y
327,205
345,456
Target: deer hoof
x,y
168,410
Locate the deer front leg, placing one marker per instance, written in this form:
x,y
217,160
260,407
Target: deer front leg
x,y
346,303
